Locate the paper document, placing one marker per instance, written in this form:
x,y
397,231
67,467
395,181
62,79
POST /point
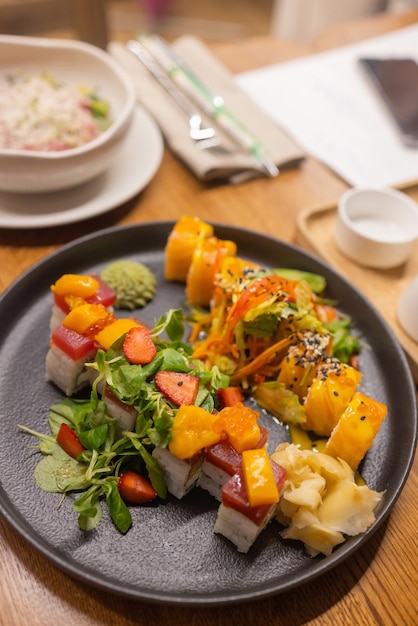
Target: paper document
x,y
327,104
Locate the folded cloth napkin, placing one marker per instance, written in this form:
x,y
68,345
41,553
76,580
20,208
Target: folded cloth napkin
x,y
234,166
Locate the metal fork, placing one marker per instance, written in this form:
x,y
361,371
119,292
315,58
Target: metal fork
x,y
204,136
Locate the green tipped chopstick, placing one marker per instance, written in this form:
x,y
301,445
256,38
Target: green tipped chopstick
x,y
212,104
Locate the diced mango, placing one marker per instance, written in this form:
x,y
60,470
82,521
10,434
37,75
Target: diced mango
x,y
193,429
87,317
356,429
77,285
109,334
259,478
181,243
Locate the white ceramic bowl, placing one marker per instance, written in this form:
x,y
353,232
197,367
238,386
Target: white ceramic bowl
x,y
73,63
376,228
408,309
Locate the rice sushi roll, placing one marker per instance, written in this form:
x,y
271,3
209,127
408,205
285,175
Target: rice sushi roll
x,y
240,521
71,289
220,463
65,361
180,475
75,342
194,429
124,414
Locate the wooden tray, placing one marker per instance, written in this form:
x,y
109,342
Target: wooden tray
x,y
315,232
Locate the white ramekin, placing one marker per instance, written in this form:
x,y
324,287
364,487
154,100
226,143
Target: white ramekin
x,y
376,227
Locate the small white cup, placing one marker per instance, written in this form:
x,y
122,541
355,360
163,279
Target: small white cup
x,y
376,227
408,309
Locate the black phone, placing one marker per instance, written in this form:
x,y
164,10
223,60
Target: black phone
x,y
396,80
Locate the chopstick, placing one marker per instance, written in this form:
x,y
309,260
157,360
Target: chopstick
x,y
142,53
214,105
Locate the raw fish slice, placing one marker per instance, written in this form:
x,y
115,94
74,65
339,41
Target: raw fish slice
x,y
221,462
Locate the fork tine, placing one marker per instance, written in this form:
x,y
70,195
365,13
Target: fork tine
x,y
197,131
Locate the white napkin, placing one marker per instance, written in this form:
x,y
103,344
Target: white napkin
x,y
235,166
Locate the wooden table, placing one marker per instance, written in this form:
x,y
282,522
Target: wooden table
x,y
378,584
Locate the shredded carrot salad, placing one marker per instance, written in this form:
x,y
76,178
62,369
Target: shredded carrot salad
x,y
255,316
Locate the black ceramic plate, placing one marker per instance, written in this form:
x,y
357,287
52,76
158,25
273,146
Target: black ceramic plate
x,y
171,554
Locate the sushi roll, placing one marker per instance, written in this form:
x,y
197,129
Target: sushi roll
x,y
222,461
75,342
237,519
185,236
356,429
180,475
124,414
331,391
72,344
194,429
65,361
71,289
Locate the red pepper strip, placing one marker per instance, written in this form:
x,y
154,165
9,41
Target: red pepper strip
x,y
229,396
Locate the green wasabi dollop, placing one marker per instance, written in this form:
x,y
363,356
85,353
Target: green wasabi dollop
x,y
134,283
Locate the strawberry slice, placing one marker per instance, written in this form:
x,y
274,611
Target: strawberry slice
x,y
180,388
138,346
135,489
69,441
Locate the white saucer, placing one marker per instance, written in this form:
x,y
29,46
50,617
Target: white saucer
x,y
134,167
